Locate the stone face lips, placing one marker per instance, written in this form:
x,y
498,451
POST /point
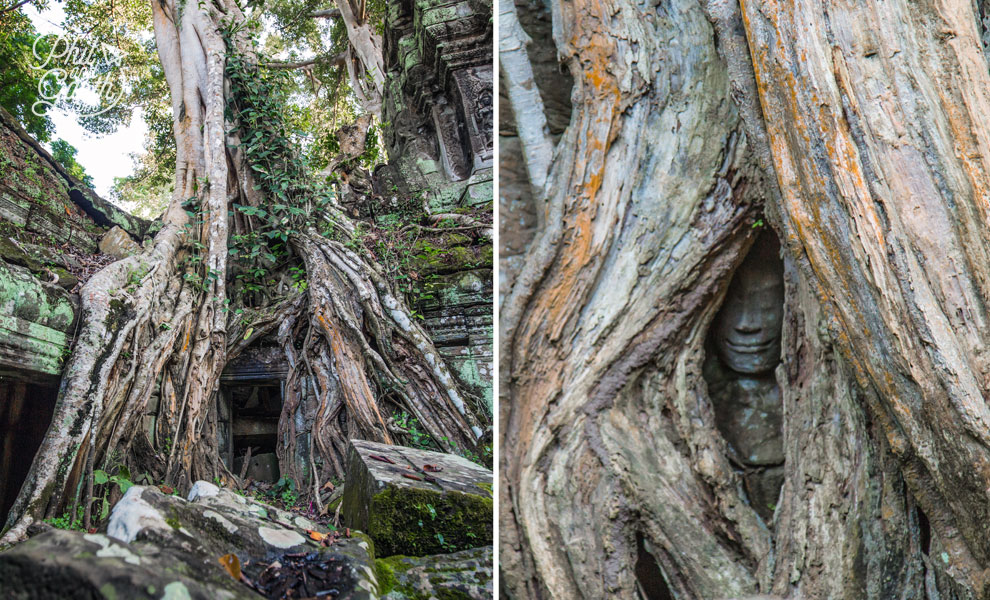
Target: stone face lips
x,y
404,513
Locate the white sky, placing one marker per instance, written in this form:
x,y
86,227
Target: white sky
x,y
104,157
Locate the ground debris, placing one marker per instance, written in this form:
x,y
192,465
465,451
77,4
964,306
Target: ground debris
x,y
89,265
299,575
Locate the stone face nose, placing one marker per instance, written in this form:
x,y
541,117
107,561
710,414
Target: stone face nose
x,y
750,321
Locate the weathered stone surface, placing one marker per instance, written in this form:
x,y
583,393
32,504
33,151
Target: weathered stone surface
x,y
74,565
404,513
749,415
463,575
56,203
118,244
457,309
47,220
763,489
159,538
262,362
263,467
70,565
439,99
36,320
216,521
34,198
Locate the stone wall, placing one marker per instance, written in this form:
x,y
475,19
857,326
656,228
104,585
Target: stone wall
x,y
455,301
438,106
439,130
50,230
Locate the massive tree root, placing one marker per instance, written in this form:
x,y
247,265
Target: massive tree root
x,y
355,325
161,321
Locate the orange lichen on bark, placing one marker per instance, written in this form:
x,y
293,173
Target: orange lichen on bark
x,y
565,284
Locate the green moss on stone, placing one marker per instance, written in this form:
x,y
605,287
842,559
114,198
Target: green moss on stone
x,y
12,253
418,522
108,591
389,573
435,259
367,539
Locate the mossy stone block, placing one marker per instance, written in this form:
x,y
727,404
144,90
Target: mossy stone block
x,y
464,575
404,512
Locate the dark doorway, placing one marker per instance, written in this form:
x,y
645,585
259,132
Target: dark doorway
x,y
254,410
25,414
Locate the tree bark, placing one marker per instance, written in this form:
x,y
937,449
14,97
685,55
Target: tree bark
x,y
160,320
857,132
367,77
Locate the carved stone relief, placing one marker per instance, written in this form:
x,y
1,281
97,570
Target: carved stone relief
x,y
744,344
474,86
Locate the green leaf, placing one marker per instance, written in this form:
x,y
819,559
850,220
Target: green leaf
x,y
105,510
124,485
99,477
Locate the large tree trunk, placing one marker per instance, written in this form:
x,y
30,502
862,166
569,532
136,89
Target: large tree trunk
x,y
162,321
365,58
857,131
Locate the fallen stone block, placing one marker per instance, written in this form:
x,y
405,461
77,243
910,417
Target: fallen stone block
x,y
415,502
154,540
464,575
73,565
118,244
216,521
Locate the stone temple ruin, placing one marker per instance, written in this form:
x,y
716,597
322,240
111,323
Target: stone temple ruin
x,y
54,233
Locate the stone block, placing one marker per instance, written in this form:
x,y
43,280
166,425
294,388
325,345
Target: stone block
x,y
159,544
407,511
76,565
118,244
36,320
466,574
263,467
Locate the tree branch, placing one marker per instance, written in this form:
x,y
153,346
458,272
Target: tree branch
x,y
14,7
524,96
330,13
334,61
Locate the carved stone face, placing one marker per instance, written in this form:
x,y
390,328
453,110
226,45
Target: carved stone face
x,y
747,328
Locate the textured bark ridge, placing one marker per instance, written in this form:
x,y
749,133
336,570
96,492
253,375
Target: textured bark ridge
x,y
163,321
856,132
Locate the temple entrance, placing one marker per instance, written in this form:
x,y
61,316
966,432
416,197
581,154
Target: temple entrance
x,y
253,410
25,413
